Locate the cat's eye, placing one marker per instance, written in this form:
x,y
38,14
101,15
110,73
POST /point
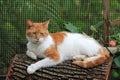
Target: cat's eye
x,y
34,32
41,33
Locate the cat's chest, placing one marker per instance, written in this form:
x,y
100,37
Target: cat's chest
x,y
37,49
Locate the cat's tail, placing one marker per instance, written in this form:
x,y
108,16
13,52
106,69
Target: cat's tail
x,y
90,62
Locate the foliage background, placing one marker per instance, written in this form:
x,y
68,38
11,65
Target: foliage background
x,y
85,15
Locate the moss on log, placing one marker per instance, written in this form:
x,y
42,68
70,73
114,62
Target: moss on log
x,y
63,71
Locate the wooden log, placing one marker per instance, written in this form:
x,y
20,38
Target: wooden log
x,y
114,50
63,71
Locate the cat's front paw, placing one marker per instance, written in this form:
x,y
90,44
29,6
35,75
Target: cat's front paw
x,y
31,69
31,55
34,57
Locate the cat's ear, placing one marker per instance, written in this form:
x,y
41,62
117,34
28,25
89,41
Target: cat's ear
x,y
29,23
46,23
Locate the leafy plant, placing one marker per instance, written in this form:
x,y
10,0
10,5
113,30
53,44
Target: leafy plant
x,y
70,27
115,73
116,37
117,60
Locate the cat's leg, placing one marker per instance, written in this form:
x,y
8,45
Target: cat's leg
x,y
101,56
91,61
47,62
80,57
31,55
52,58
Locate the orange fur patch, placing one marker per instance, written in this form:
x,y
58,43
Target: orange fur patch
x,y
92,63
104,51
37,28
89,64
58,37
100,60
107,54
84,64
52,53
79,63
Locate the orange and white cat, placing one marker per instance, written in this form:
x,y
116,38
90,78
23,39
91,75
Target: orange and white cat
x,y
57,47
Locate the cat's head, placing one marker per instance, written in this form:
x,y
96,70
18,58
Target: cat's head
x,y
36,32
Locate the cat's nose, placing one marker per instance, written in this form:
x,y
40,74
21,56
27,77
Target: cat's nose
x,y
37,39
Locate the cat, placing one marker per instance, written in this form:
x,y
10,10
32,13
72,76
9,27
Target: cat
x,y
57,47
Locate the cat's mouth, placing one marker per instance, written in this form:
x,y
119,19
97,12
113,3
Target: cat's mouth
x,y
37,41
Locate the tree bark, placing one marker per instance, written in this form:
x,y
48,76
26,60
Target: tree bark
x,y
63,71
106,27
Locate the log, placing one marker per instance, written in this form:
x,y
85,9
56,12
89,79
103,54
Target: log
x,y
114,50
63,71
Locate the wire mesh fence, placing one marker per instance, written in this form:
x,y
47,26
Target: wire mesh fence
x,y
85,15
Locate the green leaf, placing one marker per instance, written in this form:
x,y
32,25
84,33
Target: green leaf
x,y
99,24
93,28
117,61
70,27
115,73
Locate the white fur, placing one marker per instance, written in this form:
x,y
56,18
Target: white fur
x,y
46,62
78,44
73,44
31,55
39,48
